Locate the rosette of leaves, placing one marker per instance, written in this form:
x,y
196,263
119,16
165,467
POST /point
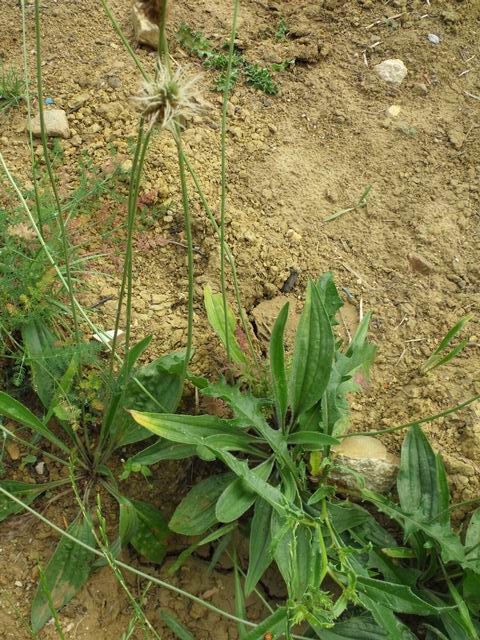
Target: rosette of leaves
x,y
80,435
349,573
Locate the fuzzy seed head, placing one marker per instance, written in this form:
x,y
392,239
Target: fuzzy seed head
x,y
170,99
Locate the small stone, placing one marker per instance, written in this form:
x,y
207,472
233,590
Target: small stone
x,y
18,583
126,165
294,236
393,71
76,141
146,31
368,457
56,124
420,264
420,89
78,101
456,137
393,111
13,450
265,314
433,38
114,82
40,468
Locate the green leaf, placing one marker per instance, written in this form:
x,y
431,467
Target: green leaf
x,y
313,354
162,450
392,571
268,492
396,597
175,626
236,499
128,520
66,572
195,430
240,607
154,387
386,619
248,410
275,624
260,553
196,512
472,542
312,440
23,491
417,478
47,361
216,317
449,543
150,537
438,357
329,295
277,365
11,408
211,537
356,628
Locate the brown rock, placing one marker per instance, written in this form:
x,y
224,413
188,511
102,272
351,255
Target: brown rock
x,y
56,124
420,264
267,312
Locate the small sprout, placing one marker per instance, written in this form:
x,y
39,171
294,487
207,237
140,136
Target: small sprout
x,y
170,99
362,203
282,30
439,356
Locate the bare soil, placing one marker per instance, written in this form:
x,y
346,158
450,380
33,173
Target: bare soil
x,y
293,159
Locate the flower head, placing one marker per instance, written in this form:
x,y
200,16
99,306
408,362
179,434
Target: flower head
x,y
170,99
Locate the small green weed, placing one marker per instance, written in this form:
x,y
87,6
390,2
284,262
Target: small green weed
x,y
11,88
254,74
282,30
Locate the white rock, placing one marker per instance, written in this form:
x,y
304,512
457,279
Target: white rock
x,y
393,111
393,71
56,124
146,32
434,39
368,457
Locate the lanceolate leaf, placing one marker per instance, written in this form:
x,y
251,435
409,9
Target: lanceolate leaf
x,y
312,440
260,555
151,532
386,619
66,572
329,295
277,366
275,624
236,499
196,512
193,430
154,387
216,317
176,626
162,450
357,628
396,597
417,485
22,490
128,521
313,354
11,408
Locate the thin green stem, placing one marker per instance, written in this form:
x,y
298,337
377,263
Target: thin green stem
x,y
63,234
130,227
223,165
414,422
230,260
26,72
124,39
188,234
162,38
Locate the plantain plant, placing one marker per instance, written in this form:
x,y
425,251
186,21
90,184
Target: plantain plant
x,y
349,571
